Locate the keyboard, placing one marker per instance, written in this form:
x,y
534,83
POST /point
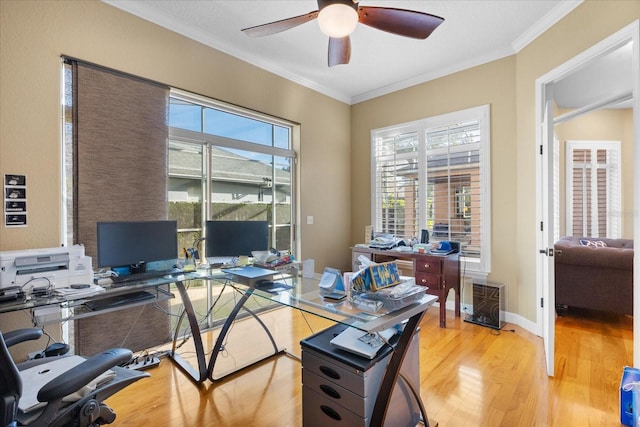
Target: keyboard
x,y
152,274
118,300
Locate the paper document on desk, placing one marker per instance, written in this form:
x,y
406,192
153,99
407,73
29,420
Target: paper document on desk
x,y
362,343
71,293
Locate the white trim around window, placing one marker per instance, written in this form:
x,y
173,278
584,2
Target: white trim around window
x,y
406,153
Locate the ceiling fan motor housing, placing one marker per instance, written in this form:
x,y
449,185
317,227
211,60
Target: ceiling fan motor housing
x,y
324,3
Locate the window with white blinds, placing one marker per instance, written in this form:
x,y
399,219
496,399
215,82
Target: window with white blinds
x,y
396,185
593,188
453,184
434,174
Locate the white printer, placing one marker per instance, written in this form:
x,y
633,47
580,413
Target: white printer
x,y
58,267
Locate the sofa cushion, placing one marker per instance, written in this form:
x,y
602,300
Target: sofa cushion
x,y
618,253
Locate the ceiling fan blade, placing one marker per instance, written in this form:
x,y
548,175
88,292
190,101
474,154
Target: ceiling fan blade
x,y
278,26
339,50
408,23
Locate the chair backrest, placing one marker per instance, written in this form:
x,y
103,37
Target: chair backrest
x,y
10,386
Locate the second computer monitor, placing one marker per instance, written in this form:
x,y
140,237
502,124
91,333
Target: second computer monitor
x,y
235,238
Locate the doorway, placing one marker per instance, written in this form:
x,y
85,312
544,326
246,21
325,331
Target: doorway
x,y
599,93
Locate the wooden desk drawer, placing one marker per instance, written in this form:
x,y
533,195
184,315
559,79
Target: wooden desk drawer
x,y
428,265
432,281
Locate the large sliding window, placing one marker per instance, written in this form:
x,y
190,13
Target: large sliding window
x,y
138,150
229,164
434,174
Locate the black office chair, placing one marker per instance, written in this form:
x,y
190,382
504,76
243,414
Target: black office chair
x,y
88,411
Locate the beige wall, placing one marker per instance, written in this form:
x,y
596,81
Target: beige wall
x,y
602,125
508,85
33,35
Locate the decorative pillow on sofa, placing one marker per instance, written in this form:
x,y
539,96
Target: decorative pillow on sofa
x,y
596,243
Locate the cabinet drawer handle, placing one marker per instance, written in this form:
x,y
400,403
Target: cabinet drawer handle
x,y
423,281
329,391
330,372
427,266
330,412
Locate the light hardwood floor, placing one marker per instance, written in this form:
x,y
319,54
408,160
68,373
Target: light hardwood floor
x,y
470,376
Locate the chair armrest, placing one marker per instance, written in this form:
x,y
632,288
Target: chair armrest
x,y
79,376
21,335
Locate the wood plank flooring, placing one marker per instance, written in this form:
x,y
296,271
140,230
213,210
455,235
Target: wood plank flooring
x,y
470,376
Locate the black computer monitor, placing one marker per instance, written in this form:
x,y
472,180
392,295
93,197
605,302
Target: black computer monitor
x,y
235,238
127,243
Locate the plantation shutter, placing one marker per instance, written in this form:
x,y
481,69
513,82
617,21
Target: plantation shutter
x,y
453,184
396,181
594,191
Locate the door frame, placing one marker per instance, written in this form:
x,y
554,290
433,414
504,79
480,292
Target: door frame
x,y
545,298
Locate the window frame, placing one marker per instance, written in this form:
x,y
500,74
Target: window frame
x,y
477,268
207,141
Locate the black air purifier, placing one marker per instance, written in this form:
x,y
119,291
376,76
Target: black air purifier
x,y
488,306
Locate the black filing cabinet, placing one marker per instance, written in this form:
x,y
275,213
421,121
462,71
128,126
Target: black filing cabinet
x,y
340,388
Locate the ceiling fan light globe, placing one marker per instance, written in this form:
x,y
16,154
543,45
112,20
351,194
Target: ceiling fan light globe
x,y
337,20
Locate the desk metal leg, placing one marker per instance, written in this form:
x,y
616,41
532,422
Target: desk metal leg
x,y
416,396
200,374
225,329
393,370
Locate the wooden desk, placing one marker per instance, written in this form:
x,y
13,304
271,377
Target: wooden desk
x,y
440,273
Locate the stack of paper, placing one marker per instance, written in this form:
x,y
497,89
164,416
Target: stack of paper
x,y
72,293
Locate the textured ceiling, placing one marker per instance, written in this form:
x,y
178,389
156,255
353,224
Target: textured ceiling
x,y
474,32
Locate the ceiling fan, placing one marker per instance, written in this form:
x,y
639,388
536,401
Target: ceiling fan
x,y
338,19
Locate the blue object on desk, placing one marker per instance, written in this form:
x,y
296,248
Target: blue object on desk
x,y
446,247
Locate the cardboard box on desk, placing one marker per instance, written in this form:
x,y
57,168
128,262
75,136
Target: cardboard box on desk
x,y
630,396
376,276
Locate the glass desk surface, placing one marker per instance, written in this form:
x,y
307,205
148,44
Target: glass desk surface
x,y
76,301
305,296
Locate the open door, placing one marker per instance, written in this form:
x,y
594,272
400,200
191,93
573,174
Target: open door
x,y
626,37
545,164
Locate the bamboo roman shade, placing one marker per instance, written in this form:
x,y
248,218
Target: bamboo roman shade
x,y
119,174
120,150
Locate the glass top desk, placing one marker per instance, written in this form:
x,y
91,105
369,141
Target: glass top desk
x,y
303,295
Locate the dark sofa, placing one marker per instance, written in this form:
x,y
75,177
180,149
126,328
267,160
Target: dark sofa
x,y
594,277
